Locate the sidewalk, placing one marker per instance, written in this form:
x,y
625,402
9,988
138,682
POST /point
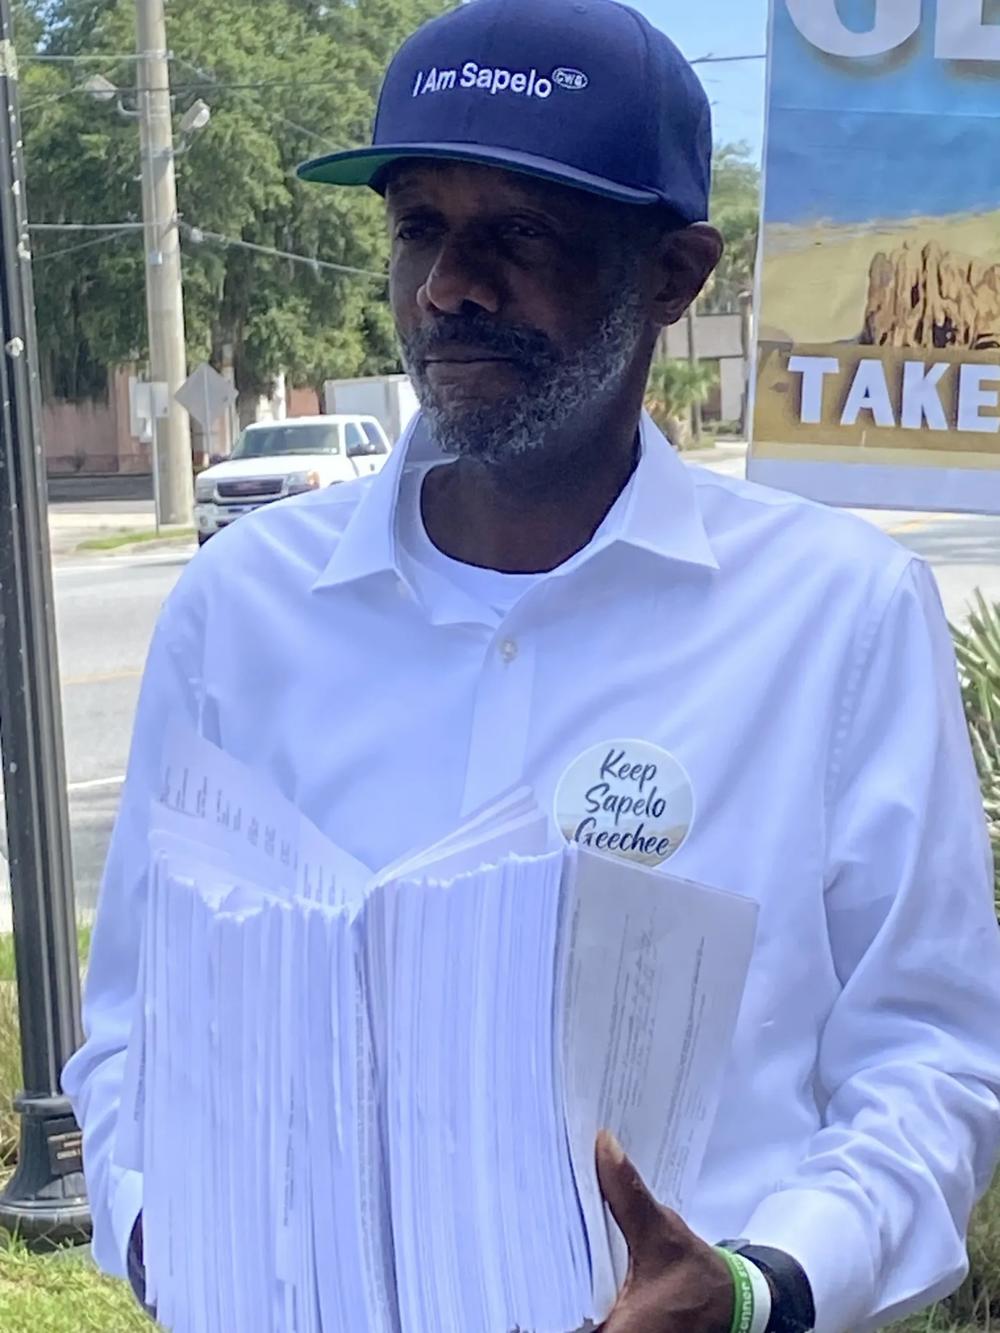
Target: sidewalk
x,y
74,519
74,522
729,459
719,457
70,526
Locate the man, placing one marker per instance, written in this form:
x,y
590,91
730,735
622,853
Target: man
x,y
536,572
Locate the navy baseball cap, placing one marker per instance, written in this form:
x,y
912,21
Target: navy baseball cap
x,y
583,92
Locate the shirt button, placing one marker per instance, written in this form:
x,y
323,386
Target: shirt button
x,y
508,650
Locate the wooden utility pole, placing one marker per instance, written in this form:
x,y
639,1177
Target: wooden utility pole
x,y
172,462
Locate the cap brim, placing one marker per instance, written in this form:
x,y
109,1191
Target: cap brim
x,y
365,166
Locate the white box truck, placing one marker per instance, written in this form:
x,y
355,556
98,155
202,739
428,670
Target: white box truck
x,y
390,399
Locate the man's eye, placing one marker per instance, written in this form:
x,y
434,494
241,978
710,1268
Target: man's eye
x,y
412,231
524,231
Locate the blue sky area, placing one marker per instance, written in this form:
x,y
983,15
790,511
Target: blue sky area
x,y
921,138
719,28
879,160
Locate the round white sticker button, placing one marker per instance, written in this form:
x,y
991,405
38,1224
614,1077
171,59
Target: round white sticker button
x,y
626,798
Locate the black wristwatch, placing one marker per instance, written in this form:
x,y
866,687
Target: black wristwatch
x,y
792,1307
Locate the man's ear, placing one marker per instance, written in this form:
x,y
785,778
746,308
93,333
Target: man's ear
x,y
683,263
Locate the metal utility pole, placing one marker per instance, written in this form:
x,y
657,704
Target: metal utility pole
x,y
692,341
45,1201
746,332
172,462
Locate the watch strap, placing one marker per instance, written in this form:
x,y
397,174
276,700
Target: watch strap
x,y
793,1309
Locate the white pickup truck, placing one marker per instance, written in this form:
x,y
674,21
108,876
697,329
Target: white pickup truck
x,y
275,459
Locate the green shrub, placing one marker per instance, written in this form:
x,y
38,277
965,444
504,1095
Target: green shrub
x,y
976,1305
674,388
978,650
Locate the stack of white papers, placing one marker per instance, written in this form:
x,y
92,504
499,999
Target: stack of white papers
x,y
373,1106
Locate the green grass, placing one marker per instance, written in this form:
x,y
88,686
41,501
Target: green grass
x,y
933,1321
10,1074
975,1307
132,538
60,1293
7,973
63,1293
10,1045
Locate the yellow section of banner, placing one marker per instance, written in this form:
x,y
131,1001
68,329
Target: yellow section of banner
x,y
842,402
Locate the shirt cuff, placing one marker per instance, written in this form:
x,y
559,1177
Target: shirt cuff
x,y
822,1231
125,1208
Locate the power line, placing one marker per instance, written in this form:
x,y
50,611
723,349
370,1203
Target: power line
x,y
50,97
288,83
209,84
250,86
220,85
208,81
38,257
197,236
215,82
212,81
47,59
85,226
725,60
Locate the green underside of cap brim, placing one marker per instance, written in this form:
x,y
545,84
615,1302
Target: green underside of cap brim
x,y
366,166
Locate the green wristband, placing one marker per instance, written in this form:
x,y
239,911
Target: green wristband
x,y
743,1302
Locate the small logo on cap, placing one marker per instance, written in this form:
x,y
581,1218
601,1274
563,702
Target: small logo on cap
x,y
573,79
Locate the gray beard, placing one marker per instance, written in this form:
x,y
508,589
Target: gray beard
x,y
501,433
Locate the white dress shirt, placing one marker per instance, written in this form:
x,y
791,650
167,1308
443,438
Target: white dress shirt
x,y
798,665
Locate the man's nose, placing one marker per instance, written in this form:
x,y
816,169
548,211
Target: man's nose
x,y
461,276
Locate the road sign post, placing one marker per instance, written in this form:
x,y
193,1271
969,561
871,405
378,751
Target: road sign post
x,y
206,395
45,1201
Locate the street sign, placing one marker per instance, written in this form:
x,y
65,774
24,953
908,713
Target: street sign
x,y
205,394
148,401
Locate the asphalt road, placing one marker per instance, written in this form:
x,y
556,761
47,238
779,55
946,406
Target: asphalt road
x,y
105,613
965,555
107,606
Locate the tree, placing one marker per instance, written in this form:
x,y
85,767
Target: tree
x,y
735,210
286,79
674,388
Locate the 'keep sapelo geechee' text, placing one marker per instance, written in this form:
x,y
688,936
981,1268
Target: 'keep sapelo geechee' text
x,y
641,801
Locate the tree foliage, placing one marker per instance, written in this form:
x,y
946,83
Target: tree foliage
x,y
735,210
674,388
285,80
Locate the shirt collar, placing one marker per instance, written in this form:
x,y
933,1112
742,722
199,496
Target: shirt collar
x,y
661,514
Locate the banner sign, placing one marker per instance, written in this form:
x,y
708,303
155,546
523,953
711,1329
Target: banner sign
x,y
878,316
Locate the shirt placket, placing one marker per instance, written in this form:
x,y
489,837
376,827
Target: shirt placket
x,y
498,742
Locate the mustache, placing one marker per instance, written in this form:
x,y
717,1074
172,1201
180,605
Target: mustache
x,y
513,342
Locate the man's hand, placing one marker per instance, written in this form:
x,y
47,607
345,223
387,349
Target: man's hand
x,y
676,1283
